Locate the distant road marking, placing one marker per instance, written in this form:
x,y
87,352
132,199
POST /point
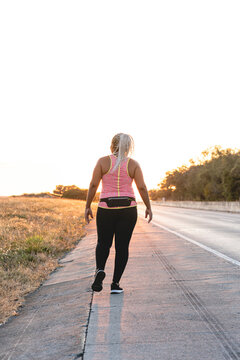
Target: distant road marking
x,y
215,252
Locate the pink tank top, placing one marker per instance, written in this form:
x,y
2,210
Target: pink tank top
x,y
117,183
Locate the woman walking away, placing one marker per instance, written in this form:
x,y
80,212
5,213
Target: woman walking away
x,y
117,208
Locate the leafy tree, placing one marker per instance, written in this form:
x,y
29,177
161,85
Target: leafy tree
x,y
80,194
60,189
216,176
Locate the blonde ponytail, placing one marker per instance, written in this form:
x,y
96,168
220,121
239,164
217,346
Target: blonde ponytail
x,y
122,145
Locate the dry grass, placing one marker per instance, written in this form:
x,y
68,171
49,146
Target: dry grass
x,y
34,234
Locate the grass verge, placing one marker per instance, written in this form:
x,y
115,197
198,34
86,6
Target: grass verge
x,y
34,234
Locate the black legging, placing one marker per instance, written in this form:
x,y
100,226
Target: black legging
x,y
118,222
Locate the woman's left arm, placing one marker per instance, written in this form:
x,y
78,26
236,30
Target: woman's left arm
x,y
96,178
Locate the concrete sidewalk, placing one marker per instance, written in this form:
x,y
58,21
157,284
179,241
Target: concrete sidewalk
x,y
179,302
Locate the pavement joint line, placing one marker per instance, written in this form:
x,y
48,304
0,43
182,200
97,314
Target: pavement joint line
x,y
214,325
215,252
88,320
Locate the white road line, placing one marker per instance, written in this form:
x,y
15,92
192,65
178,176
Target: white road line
x,y
215,252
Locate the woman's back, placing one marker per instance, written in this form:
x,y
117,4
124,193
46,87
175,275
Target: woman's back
x,y
116,182
106,163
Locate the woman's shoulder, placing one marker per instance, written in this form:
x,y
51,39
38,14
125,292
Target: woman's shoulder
x,y
133,162
132,165
104,158
105,163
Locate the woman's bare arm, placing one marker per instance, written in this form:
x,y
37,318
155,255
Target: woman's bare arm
x,y
139,180
96,178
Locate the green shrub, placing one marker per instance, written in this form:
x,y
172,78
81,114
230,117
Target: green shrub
x,y
36,244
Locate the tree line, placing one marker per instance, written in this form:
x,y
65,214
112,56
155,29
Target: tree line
x,y
63,191
214,177
72,192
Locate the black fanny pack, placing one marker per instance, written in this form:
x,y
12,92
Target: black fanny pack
x,y
118,201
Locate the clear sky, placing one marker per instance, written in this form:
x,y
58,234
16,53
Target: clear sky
x,y
75,73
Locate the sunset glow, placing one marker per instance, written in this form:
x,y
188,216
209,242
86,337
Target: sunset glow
x,y
75,74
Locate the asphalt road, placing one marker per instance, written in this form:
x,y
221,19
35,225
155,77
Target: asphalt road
x,y
215,230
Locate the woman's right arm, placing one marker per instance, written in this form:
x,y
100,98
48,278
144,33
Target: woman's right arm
x,y
139,180
96,178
